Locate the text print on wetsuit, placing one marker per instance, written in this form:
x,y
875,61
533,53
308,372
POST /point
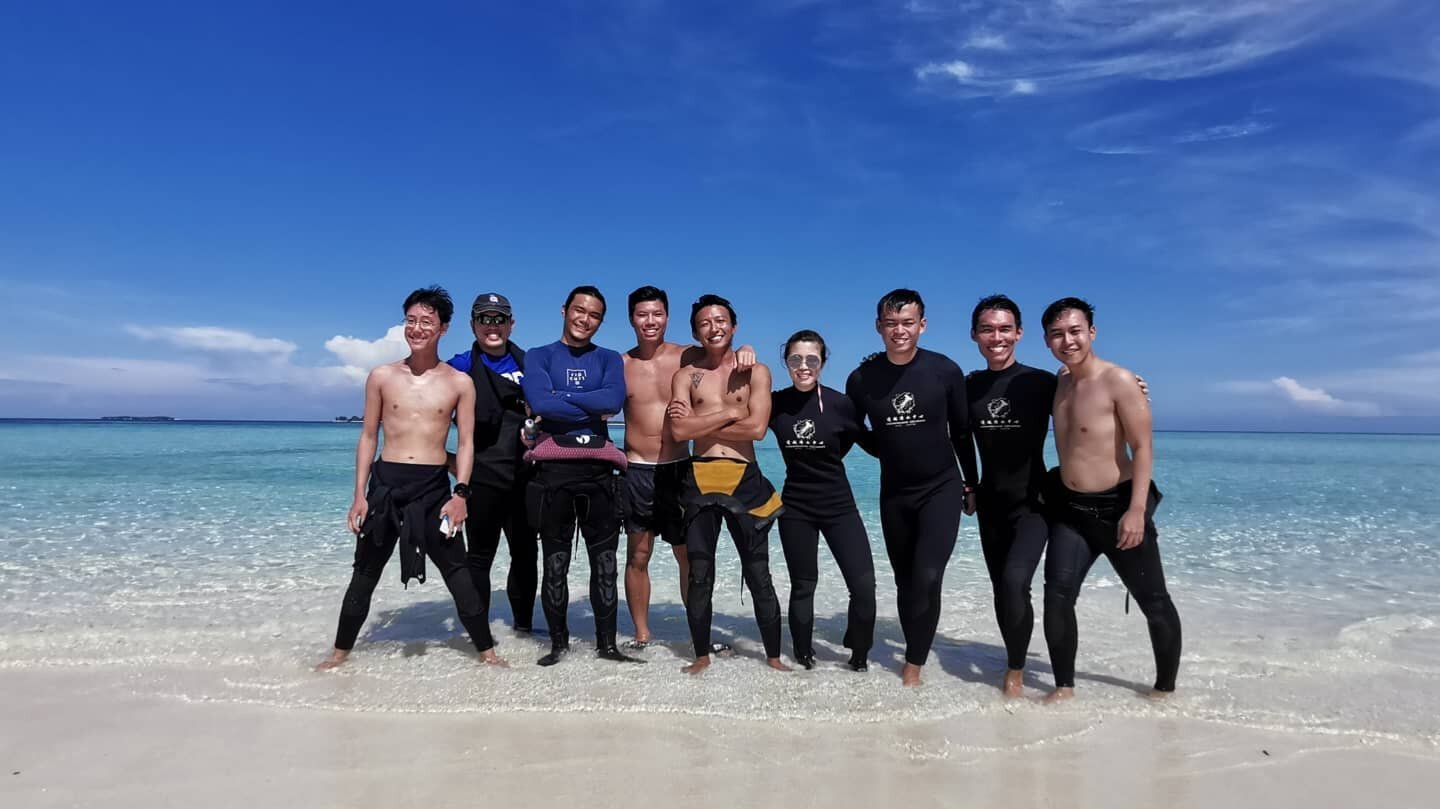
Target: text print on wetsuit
x,y
905,415
1000,416
575,377
805,433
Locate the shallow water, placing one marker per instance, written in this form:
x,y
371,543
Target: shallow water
x,y
207,561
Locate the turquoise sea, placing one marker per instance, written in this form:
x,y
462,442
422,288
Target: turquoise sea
x,y
205,561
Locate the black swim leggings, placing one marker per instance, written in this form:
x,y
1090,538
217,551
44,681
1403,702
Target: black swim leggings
x,y
702,539
562,495
490,509
845,534
448,556
1012,540
920,530
1067,561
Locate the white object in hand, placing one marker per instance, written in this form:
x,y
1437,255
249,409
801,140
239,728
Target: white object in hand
x,y
445,526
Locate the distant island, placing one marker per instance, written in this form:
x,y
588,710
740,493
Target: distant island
x,y
137,418
348,419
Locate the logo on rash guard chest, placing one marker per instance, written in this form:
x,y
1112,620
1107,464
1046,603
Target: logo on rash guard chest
x,y
905,415
1000,419
575,377
804,430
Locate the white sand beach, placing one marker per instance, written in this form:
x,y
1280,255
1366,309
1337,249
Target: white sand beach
x,y
68,740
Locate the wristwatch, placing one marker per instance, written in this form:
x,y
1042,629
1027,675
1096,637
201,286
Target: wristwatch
x,y
462,490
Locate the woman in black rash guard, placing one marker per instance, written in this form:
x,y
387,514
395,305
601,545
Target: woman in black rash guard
x,y
919,417
815,427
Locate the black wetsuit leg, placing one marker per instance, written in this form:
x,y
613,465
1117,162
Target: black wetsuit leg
x,y
1013,541
1069,558
850,545
448,555
370,561
563,494
754,549
702,537
845,535
800,540
491,509
920,531
523,580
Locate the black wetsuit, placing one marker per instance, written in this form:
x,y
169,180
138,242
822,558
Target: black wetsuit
x,y
1010,417
921,424
1083,526
572,389
498,484
734,492
404,509
818,500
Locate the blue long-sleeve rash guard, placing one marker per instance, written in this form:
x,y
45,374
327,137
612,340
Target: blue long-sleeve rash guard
x,y
571,388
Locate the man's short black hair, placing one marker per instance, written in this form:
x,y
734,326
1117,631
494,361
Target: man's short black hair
x,y
711,300
586,289
649,293
1059,307
434,297
989,302
897,299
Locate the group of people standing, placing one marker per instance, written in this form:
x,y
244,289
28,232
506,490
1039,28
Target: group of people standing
x,y
534,462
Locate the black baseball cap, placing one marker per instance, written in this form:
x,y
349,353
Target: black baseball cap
x,y
490,302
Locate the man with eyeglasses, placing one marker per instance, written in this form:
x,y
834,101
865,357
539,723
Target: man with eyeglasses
x,y
404,497
497,491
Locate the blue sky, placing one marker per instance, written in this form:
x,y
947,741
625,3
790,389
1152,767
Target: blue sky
x,y
214,211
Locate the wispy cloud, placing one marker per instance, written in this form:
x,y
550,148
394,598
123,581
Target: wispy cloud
x,y
214,338
1063,45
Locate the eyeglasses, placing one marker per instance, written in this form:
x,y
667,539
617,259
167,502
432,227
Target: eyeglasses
x,y
492,320
797,361
423,325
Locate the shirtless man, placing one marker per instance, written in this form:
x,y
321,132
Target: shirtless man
x,y
1101,499
405,497
724,410
658,463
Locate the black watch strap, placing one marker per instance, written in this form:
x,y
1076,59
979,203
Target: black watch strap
x,y
462,490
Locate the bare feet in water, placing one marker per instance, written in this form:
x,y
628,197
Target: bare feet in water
x,y
1014,683
1059,695
700,664
774,663
1158,696
337,656
910,675
489,658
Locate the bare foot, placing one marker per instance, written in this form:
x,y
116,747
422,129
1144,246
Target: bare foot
x,y
1059,695
910,675
1158,696
337,656
489,658
774,663
1014,683
700,664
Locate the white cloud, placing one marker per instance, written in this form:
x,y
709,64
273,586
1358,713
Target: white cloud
x,y
360,355
1079,43
1318,400
1311,398
955,69
1024,87
214,338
